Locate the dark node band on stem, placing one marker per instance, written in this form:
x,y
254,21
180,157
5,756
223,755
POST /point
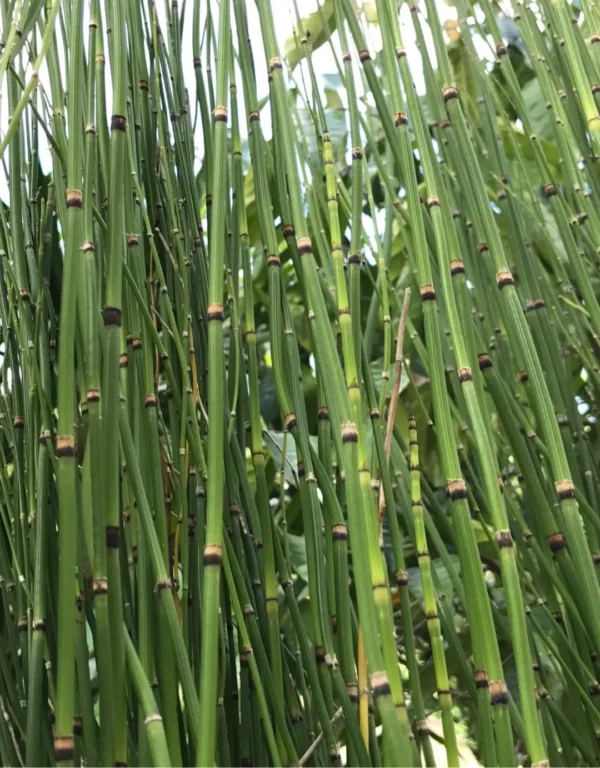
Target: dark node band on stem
x,y
456,489
427,292
565,489
220,115
19,422
380,685
288,230
549,190
346,56
339,532
112,536
364,56
273,260
275,63
349,433
433,202
523,376
65,446
465,374
354,257
400,53
557,541
100,586
74,198
449,92
39,625
400,118
213,554
215,312
64,748
500,50
503,538
320,654
482,247
123,360
498,692
322,413
304,245
457,267
22,624
357,153
77,725
352,689
118,123
112,316
290,421
401,578
504,278
534,304
485,361
150,401
481,678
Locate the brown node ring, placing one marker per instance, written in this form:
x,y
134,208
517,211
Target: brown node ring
x,y
401,578
213,554
498,692
118,123
400,118
557,541
565,489
220,115
64,748
150,401
214,312
427,292
456,489
485,361
380,685
273,260
112,536
349,433
112,316
504,538
481,678
74,198
457,267
65,446
504,278
465,374
304,246
449,92
339,532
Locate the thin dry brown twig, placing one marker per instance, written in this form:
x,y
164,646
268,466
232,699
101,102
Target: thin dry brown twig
x,y
395,394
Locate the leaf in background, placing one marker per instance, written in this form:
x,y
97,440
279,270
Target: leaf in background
x,y
298,555
370,11
451,29
535,103
317,26
463,74
441,577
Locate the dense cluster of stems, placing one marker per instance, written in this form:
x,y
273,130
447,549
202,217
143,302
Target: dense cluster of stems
x,y
299,453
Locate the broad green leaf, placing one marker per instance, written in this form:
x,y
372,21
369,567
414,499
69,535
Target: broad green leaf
x,y
317,27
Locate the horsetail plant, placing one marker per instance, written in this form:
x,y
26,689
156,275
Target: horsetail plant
x,y
350,555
